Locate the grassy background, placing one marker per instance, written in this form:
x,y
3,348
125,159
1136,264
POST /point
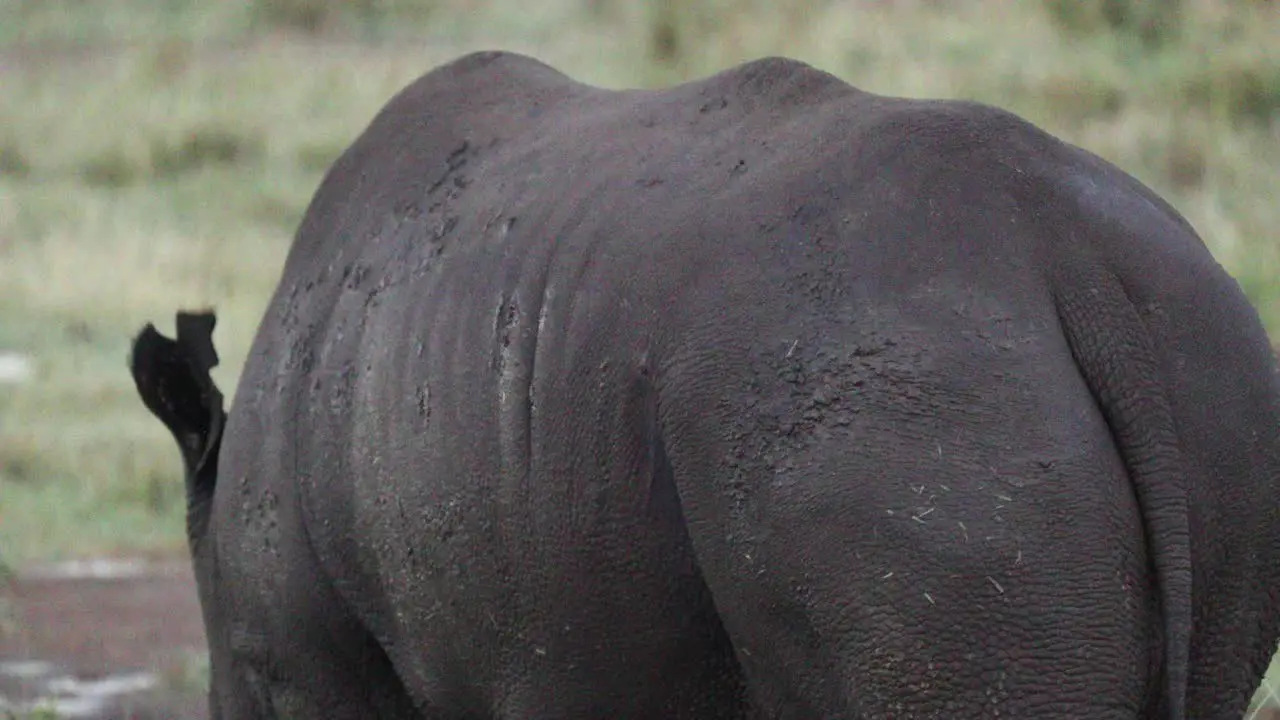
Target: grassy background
x,y
158,153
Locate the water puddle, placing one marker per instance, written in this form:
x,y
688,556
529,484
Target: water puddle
x,y
92,569
30,686
103,639
14,368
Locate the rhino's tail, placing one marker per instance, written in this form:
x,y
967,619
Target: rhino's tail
x,y
1115,355
172,377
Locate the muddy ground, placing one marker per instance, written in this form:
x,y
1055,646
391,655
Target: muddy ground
x,y
119,640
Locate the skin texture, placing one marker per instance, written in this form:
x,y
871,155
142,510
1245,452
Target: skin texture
x,y
758,396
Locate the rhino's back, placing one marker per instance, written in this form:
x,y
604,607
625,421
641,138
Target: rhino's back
x,y
500,284
455,378
516,298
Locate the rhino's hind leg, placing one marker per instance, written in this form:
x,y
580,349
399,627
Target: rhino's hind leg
x,y
650,640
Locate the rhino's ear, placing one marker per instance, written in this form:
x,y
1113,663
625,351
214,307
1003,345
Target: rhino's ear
x,y
172,377
195,336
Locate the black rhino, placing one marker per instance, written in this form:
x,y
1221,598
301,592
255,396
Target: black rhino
x,y
755,397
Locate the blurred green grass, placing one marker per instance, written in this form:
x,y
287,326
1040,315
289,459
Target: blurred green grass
x,y
157,154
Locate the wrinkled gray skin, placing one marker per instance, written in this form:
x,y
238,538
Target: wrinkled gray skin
x,y
759,396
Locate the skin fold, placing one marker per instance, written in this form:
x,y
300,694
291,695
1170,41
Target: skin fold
x,y
754,397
